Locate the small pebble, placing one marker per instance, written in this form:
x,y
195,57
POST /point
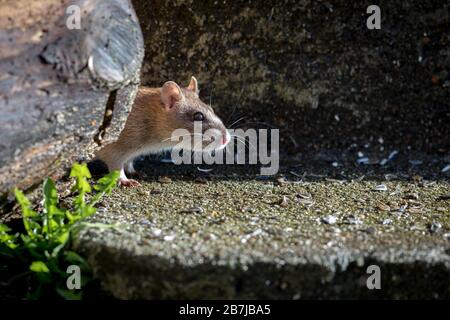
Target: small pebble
x,y
390,176
380,187
351,219
143,192
164,179
302,196
383,207
195,210
411,196
169,237
415,210
371,230
201,180
435,227
329,219
284,202
363,160
415,162
157,232
212,237
387,222
282,181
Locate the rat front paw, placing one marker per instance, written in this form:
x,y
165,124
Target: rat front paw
x,y
129,183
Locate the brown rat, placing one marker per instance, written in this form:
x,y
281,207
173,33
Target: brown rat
x,y
156,114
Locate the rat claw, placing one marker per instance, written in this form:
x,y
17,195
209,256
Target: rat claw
x,y
129,183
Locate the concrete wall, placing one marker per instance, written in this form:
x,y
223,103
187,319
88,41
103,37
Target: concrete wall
x,y
311,68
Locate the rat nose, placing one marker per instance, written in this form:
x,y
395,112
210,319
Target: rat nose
x,y
226,137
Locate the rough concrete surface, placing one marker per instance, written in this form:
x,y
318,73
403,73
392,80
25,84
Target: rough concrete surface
x,y
310,232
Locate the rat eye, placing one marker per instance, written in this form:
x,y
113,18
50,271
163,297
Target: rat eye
x,y
198,116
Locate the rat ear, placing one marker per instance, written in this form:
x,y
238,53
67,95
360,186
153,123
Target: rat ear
x,y
193,85
170,94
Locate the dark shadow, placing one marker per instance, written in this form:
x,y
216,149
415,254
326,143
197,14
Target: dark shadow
x,y
322,166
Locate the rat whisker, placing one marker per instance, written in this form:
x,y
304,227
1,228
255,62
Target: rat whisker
x,y
210,98
244,141
235,105
271,126
240,119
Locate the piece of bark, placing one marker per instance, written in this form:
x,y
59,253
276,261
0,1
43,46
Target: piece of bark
x,y
55,81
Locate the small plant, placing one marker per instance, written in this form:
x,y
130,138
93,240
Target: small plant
x,y
40,254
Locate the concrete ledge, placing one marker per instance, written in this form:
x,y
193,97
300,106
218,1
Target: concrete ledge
x,y
228,234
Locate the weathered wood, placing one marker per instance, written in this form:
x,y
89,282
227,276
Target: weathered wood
x,y
55,81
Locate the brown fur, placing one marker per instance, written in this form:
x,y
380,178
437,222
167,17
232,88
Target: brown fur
x,y
151,123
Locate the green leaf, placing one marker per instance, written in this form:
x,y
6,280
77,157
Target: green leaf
x,y
7,239
108,182
28,214
78,201
4,228
105,186
53,224
24,204
69,294
74,258
87,211
81,173
50,194
72,218
57,250
39,266
45,241
63,237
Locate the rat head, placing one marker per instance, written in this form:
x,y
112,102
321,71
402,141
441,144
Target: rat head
x,y
192,124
